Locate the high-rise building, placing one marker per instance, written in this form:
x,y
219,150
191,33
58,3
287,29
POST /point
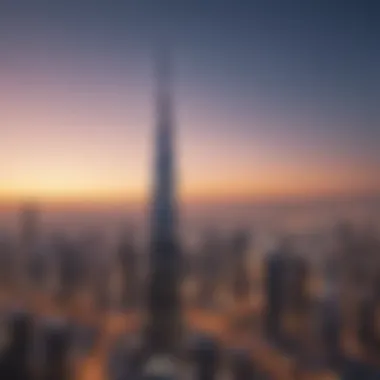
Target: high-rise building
x,y
14,359
368,326
163,330
240,283
296,302
275,281
28,246
32,262
127,258
56,336
6,262
209,268
328,315
69,272
206,357
90,245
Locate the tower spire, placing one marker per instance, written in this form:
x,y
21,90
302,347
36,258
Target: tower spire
x,y
163,81
164,202
164,322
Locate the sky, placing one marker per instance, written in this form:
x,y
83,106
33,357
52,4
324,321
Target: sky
x,y
271,98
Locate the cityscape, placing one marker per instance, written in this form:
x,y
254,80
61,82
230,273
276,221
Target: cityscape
x,y
242,251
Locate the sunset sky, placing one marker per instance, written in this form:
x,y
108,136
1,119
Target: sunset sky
x,y
272,98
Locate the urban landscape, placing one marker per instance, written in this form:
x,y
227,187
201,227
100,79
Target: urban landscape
x,y
282,290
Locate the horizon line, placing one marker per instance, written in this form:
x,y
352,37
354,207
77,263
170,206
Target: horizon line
x,y
85,202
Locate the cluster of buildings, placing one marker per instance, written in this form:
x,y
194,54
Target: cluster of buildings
x,y
335,327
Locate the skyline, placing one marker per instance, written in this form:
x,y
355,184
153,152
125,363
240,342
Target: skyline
x,y
279,105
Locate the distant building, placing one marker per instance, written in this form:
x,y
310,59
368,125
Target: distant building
x,y
298,279
69,269
14,360
29,225
163,333
275,279
242,366
93,267
209,268
369,322
7,262
39,265
206,356
240,265
29,239
127,258
125,358
56,342
359,263
89,246
330,315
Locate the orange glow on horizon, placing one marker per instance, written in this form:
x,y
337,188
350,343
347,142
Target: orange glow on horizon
x,y
65,142
189,196
74,184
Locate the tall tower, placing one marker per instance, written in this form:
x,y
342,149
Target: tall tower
x,y
164,312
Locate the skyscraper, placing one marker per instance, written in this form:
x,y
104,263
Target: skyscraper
x,y
210,268
240,282
28,246
6,262
127,258
14,359
164,312
56,336
275,280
